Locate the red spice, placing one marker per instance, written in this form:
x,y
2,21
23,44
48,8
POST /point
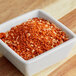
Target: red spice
x,y
2,35
33,37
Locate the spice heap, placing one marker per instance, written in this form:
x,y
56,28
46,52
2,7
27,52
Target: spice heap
x,y
33,37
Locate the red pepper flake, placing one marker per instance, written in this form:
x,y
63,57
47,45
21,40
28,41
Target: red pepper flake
x,y
2,35
33,37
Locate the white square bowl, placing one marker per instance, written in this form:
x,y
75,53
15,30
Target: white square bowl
x,y
34,65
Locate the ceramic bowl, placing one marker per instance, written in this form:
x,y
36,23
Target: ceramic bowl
x,y
35,65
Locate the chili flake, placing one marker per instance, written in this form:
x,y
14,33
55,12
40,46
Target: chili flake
x,y
33,37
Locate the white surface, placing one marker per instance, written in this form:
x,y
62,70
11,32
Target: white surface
x,y
44,60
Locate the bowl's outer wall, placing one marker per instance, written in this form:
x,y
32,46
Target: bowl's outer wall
x,y
37,66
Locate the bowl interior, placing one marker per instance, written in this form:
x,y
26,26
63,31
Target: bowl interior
x,y
37,13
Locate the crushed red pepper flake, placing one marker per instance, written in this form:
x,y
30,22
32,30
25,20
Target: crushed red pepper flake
x,y
33,37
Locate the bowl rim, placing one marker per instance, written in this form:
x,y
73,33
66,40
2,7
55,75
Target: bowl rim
x,y
45,53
